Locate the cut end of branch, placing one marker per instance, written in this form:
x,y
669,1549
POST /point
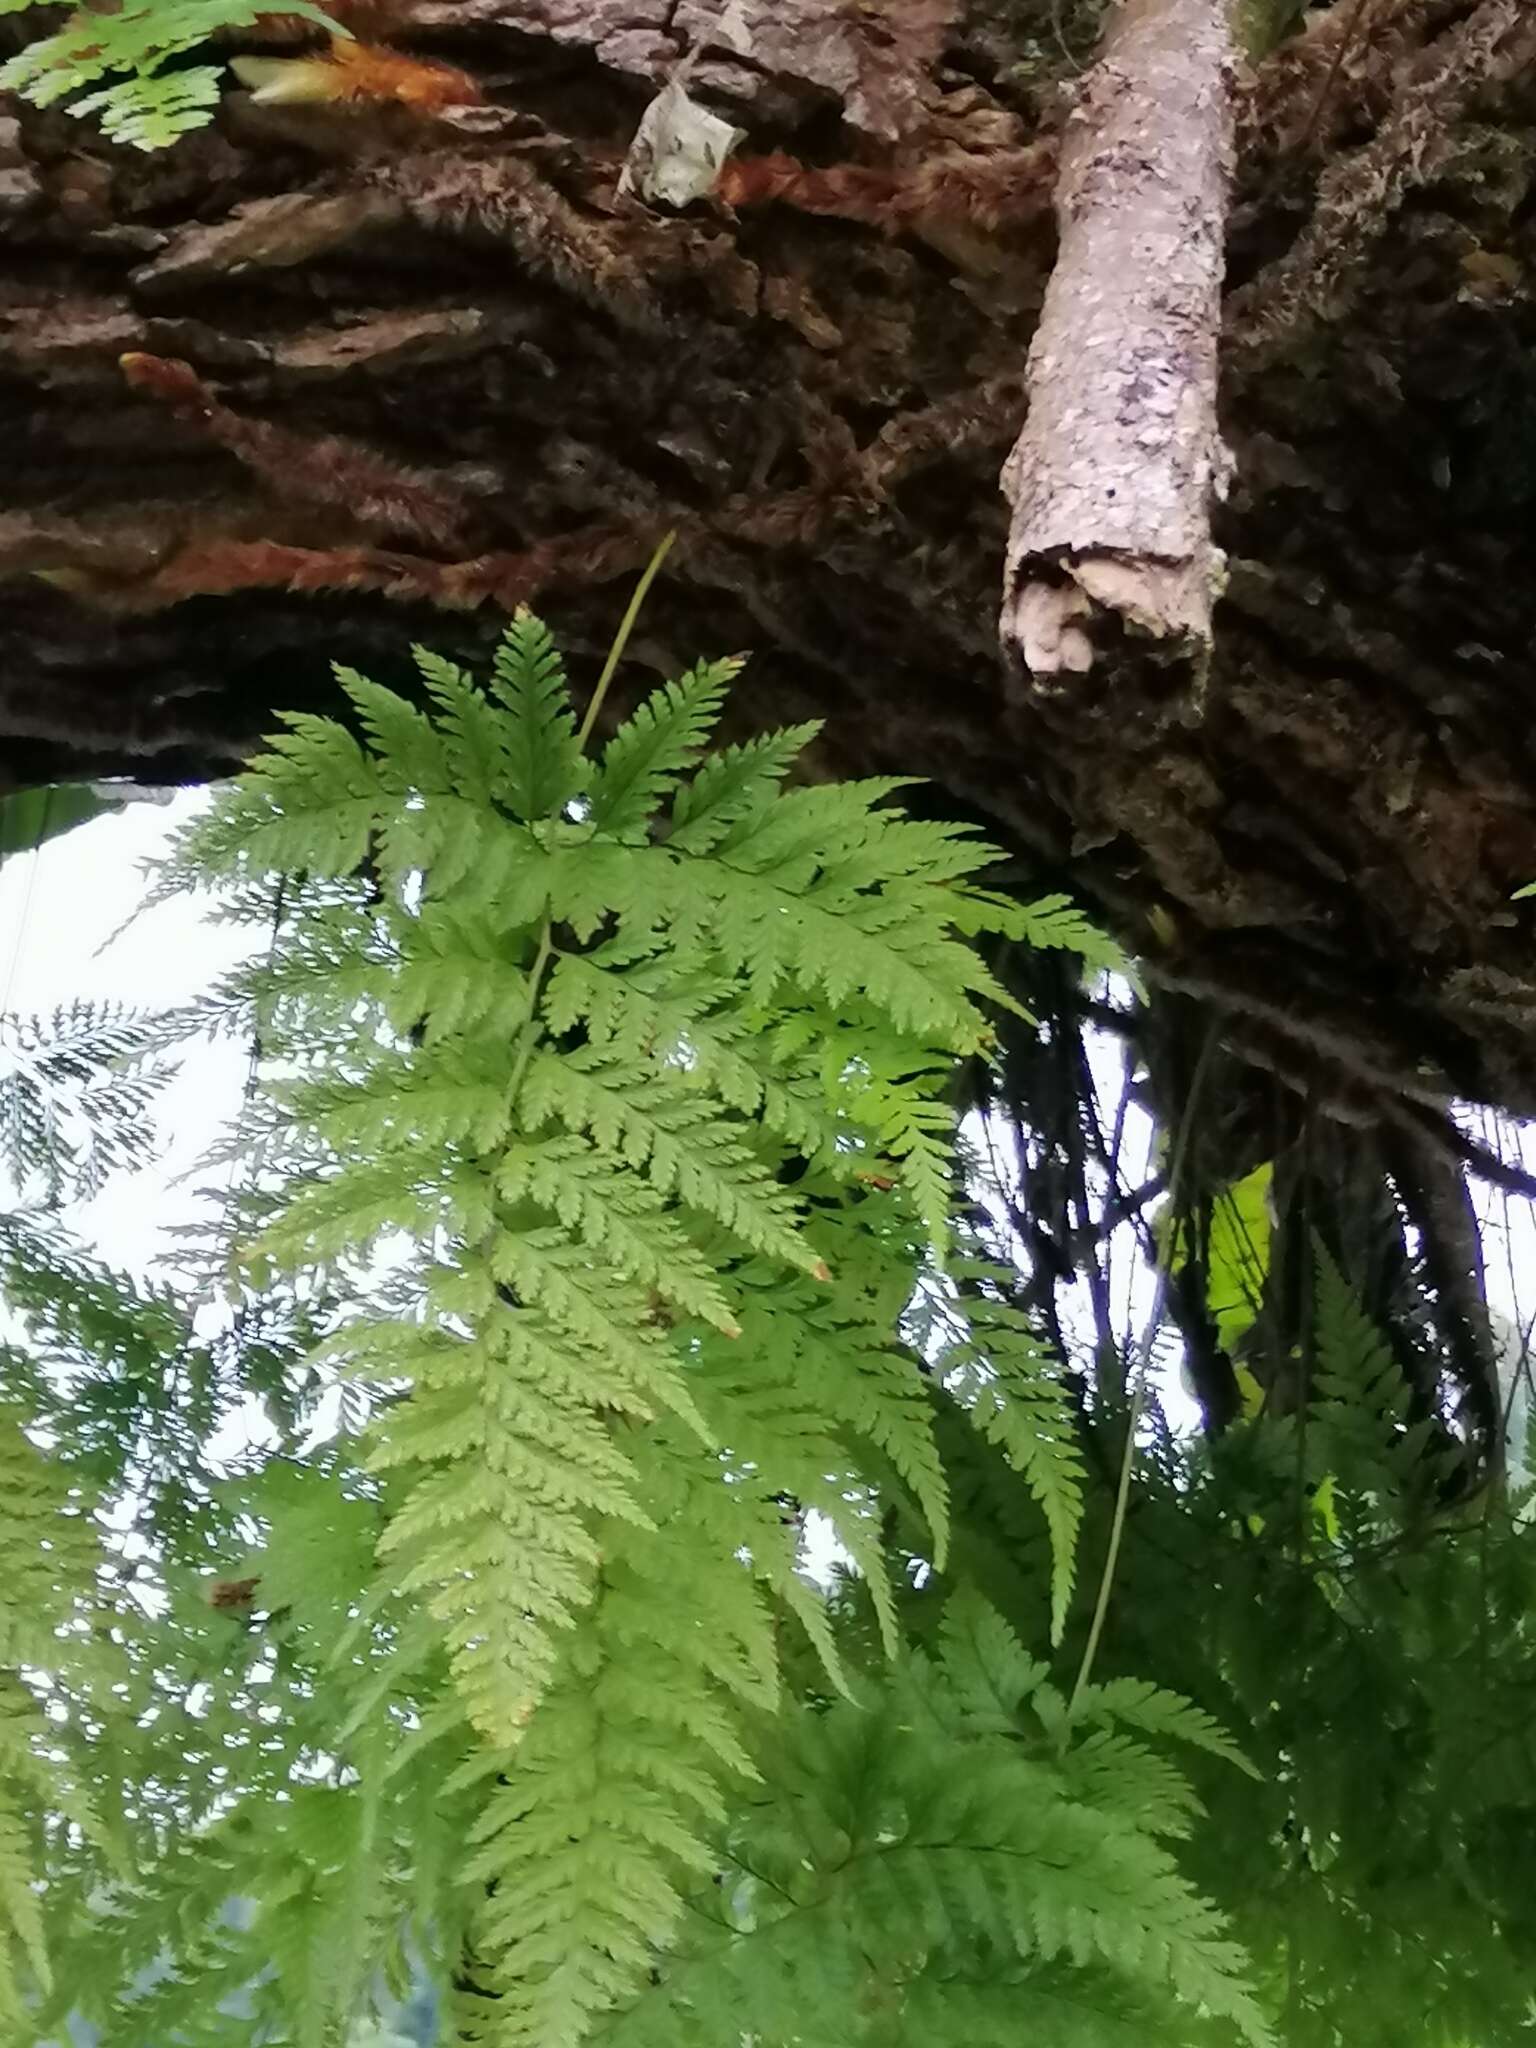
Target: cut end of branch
x,y
1058,627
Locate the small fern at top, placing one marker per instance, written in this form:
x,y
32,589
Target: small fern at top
x,y
112,62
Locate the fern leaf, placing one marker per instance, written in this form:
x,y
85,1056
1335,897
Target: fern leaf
x,y
1056,923
496,1534
544,768
569,1048
21,1917
733,785
645,757
659,1127
600,1819
985,1666
1014,1394
407,746
1137,1703
474,732
1355,1366
898,1842
617,1219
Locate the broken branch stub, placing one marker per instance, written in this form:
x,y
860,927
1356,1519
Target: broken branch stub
x,y
1113,478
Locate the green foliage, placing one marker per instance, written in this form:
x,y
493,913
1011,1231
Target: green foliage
x,y
1012,1387
1262,25
28,817
943,1839
601,1251
1373,1454
633,1062
1237,1256
76,1097
51,1552
1057,923
111,62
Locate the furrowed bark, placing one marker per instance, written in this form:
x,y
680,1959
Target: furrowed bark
x,y
1112,480
391,369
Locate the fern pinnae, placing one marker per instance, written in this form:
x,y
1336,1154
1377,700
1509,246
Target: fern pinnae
x,y
659,1127
143,106
733,786
474,735
1136,1703
407,746
998,1370
601,1008
545,766
567,1180
664,736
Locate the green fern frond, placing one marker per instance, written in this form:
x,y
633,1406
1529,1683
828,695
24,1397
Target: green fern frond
x,y
602,1813
987,1671
408,750
736,784
1364,1438
24,1961
51,1548
48,1600
1355,1368
152,112
1137,1703
543,766
1012,1388
308,805
656,1124
1115,1774
648,1059
576,1185
76,1097
915,1839
666,735
1057,923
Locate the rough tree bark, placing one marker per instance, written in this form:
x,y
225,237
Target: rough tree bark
x,y
337,375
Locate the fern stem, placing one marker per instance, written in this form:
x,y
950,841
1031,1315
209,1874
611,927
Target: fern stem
x,y
621,638
1140,1373
530,1031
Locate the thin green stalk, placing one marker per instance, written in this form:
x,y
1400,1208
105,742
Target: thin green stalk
x,y
1138,1381
621,638
546,946
530,1032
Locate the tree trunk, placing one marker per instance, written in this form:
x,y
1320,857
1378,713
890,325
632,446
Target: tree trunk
x,y
392,367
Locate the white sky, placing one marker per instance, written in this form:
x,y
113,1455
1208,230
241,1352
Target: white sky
x,y
59,907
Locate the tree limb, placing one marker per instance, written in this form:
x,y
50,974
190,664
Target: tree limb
x,y
1113,478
